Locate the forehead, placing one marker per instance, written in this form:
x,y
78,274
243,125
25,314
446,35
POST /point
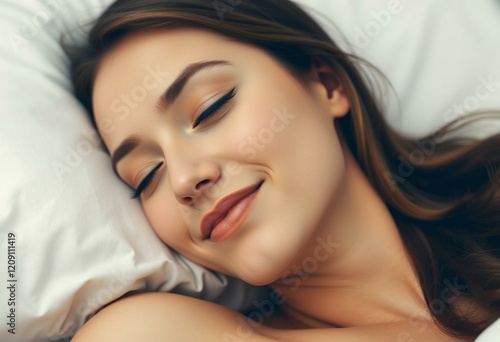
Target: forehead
x,y
145,63
168,50
134,74
173,45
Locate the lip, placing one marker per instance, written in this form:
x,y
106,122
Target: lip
x,y
211,219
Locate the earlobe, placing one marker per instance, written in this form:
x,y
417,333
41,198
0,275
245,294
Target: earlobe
x,y
332,90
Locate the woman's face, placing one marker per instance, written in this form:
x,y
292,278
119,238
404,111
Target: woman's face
x,y
241,159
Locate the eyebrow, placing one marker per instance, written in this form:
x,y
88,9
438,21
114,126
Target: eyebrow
x,y
126,146
174,90
166,99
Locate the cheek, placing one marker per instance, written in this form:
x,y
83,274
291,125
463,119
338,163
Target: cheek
x,y
266,121
168,220
295,130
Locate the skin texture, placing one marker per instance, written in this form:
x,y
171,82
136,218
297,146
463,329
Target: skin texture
x,y
316,231
216,152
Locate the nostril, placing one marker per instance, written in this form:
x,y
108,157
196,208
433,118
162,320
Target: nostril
x,y
187,199
203,182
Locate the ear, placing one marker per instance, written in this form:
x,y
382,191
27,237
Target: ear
x,y
328,86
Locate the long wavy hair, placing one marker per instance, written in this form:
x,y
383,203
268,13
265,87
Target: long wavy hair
x,y
443,191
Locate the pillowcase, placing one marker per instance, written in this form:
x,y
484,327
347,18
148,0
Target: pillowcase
x,y
491,333
442,57
75,239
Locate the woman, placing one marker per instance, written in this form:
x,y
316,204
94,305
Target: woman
x,y
257,150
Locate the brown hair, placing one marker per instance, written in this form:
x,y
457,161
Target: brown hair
x,y
442,192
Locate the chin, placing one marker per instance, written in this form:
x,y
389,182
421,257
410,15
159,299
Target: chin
x,y
260,272
258,279
261,258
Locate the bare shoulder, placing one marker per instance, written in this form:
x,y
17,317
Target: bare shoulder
x,y
170,317
167,317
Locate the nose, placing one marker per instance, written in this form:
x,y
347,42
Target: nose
x,y
189,179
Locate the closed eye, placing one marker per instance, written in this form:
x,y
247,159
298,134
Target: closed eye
x,y
145,182
215,107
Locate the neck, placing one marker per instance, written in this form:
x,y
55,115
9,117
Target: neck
x,y
355,270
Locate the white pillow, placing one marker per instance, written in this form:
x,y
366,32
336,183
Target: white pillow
x,y
491,333
443,57
80,243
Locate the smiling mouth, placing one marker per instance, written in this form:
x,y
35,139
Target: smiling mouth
x,y
228,214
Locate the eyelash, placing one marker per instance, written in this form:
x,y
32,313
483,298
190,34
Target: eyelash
x,y
207,114
145,182
215,107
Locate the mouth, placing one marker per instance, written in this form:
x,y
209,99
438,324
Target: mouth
x,y
228,214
